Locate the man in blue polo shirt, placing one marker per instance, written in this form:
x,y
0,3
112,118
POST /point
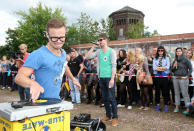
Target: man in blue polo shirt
x,y
48,64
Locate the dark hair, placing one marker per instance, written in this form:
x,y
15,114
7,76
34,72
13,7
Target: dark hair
x,y
55,23
72,50
179,48
164,52
103,35
124,53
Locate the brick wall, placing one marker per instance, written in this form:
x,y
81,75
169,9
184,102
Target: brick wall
x,y
177,38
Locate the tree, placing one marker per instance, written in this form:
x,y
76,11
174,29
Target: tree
x,y
12,40
31,28
138,30
107,27
87,30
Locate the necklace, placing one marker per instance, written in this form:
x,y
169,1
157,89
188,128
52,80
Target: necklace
x,y
56,52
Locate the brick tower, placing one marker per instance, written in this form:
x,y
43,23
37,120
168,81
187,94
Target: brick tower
x,y
123,18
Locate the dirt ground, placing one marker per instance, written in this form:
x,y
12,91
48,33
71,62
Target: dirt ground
x,y
129,120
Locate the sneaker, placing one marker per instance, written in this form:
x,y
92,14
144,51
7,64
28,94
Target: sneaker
x,y
129,107
3,88
8,87
142,107
78,104
186,112
146,108
102,105
106,119
165,108
119,105
157,108
176,110
115,122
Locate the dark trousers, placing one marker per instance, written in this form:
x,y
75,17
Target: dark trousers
x,y
123,92
118,83
24,93
5,79
171,91
162,85
98,94
190,90
144,95
135,94
108,95
1,78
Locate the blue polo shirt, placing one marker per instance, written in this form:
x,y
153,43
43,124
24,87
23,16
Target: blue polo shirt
x,y
48,70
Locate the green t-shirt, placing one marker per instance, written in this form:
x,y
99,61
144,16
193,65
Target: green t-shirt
x,y
105,64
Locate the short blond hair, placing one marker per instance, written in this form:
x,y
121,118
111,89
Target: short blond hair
x,y
23,45
140,57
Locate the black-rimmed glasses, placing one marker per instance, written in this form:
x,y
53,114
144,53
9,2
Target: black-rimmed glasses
x,y
55,39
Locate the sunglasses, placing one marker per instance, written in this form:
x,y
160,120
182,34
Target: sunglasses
x,y
160,50
100,40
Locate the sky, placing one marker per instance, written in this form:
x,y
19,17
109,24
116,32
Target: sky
x,y
166,16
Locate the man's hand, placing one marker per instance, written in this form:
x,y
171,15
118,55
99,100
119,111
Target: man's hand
x,y
75,82
111,83
35,90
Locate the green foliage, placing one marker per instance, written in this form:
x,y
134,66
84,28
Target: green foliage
x,y
12,41
110,29
32,25
138,30
4,50
31,28
87,30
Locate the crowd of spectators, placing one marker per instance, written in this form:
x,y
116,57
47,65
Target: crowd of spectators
x,y
172,79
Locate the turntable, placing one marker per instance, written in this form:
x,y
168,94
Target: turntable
x,y
35,116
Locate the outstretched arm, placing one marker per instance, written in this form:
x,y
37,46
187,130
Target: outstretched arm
x,y
22,79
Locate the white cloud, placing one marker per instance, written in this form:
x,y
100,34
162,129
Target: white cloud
x,y
166,16
7,21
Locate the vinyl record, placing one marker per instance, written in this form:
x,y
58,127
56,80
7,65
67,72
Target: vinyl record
x,y
43,102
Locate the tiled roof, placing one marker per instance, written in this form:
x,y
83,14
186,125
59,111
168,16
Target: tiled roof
x,y
127,9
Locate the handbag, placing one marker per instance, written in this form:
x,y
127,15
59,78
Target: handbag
x,y
122,77
141,76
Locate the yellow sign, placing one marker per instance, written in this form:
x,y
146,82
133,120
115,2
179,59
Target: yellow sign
x,y
50,122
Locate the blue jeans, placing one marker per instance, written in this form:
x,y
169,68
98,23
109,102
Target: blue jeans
x,y
108,95
75,93
24,93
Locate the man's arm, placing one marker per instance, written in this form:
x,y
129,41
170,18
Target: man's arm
x,y
81,68
114,64
22,79
91,54
69,74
